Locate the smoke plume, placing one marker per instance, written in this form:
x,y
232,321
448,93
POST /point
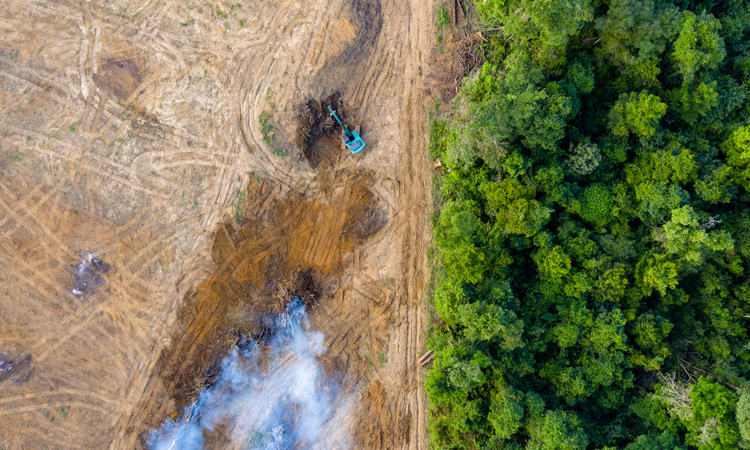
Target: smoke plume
x,y
267,397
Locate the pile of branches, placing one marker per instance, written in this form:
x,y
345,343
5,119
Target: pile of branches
x,y
315,122
302,285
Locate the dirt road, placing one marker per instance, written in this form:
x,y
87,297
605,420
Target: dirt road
x,y
132,131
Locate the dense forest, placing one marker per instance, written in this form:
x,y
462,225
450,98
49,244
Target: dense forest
x,y
592,234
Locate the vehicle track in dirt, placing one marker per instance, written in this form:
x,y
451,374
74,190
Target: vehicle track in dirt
x,y
143,168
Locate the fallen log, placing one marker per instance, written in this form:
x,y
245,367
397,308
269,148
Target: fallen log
x,y
427,357
460,14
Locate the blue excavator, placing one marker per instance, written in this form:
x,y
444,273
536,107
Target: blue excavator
x,y
352,139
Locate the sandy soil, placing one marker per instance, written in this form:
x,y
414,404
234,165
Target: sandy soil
x,y
160,136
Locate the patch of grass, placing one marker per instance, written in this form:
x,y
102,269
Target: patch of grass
x,y
443,19
383,360
259,176
50,169
267,129
199,79
73,127
188,23
240,203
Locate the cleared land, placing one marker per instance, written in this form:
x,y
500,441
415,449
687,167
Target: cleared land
x,y
162,137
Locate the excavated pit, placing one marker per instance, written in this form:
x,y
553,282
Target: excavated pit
x,y
318,133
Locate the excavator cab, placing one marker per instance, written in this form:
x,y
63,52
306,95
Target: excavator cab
x,y
351,138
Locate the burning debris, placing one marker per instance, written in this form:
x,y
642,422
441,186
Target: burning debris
x,y
17,368
281,285
264,331
88,274
305,287
267,396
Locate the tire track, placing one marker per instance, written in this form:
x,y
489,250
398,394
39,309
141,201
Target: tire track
x,y
154,247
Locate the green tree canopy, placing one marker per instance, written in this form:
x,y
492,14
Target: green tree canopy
x,y
557,430
592,230
637,113
699,45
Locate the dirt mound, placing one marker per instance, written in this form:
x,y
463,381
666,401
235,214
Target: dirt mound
x,y
304,285
252,320
364,218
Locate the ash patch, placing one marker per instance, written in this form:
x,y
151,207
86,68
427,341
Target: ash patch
x,y
89,274
15,367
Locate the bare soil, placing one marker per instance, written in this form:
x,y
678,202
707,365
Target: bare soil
x,y
456,54
162,138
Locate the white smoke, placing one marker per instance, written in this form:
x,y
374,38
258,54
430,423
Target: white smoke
x,y
267,399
